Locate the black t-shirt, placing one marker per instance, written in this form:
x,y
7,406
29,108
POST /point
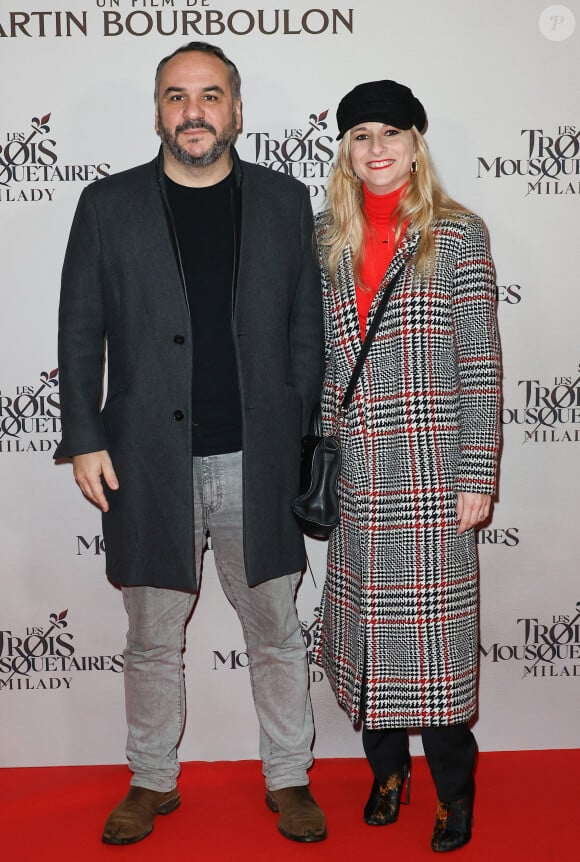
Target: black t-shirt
x,y
204,223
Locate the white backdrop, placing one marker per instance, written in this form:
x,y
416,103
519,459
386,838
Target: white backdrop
x,y
499,81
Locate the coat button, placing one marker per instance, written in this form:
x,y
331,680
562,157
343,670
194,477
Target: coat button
x,y
179,415
179,339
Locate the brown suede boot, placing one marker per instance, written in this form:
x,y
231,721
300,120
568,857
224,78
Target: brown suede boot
x,y
133,817
301,819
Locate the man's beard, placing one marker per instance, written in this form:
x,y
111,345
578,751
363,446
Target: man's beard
x,y
218,148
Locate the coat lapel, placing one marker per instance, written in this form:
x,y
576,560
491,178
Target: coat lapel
x,y
345,292
402,257
344,289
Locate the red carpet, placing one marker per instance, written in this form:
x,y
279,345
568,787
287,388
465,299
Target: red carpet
x,y
527,808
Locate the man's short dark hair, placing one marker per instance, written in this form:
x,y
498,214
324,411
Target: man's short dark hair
x,y
204,48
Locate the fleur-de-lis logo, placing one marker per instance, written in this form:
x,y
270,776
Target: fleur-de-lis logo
x,y
40,125
50,378
318,121
58,620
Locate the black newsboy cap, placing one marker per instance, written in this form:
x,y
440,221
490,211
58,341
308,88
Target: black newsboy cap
x,y
380,102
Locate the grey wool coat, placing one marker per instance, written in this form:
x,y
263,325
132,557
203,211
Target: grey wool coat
x,y
399,629
122,285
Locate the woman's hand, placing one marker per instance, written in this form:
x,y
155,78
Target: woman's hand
x,y
472,509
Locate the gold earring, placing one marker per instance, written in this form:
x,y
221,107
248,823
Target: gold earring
x,y
414,165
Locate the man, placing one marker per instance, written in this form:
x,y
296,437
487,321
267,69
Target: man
x,y
197,271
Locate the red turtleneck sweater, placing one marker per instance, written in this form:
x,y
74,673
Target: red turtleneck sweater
x,y
379,247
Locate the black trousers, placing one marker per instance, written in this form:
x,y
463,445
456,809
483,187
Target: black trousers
x,y
450,753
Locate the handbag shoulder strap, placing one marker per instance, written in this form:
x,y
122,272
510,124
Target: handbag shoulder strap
x,y
371,332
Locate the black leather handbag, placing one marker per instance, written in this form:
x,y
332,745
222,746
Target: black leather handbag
x,y
317,509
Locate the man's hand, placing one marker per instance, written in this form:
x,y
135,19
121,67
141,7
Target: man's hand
x,y
88,469
472,509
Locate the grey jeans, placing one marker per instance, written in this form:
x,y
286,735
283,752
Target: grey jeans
x,y
154,678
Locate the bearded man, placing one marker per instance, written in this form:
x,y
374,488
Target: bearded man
x,y
196,273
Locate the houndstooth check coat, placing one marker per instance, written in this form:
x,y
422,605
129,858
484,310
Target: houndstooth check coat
x,y
400,602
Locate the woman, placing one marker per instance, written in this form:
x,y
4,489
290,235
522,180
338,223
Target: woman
x,y
399,630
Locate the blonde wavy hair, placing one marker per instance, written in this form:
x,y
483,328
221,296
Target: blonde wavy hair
x,y
346,223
